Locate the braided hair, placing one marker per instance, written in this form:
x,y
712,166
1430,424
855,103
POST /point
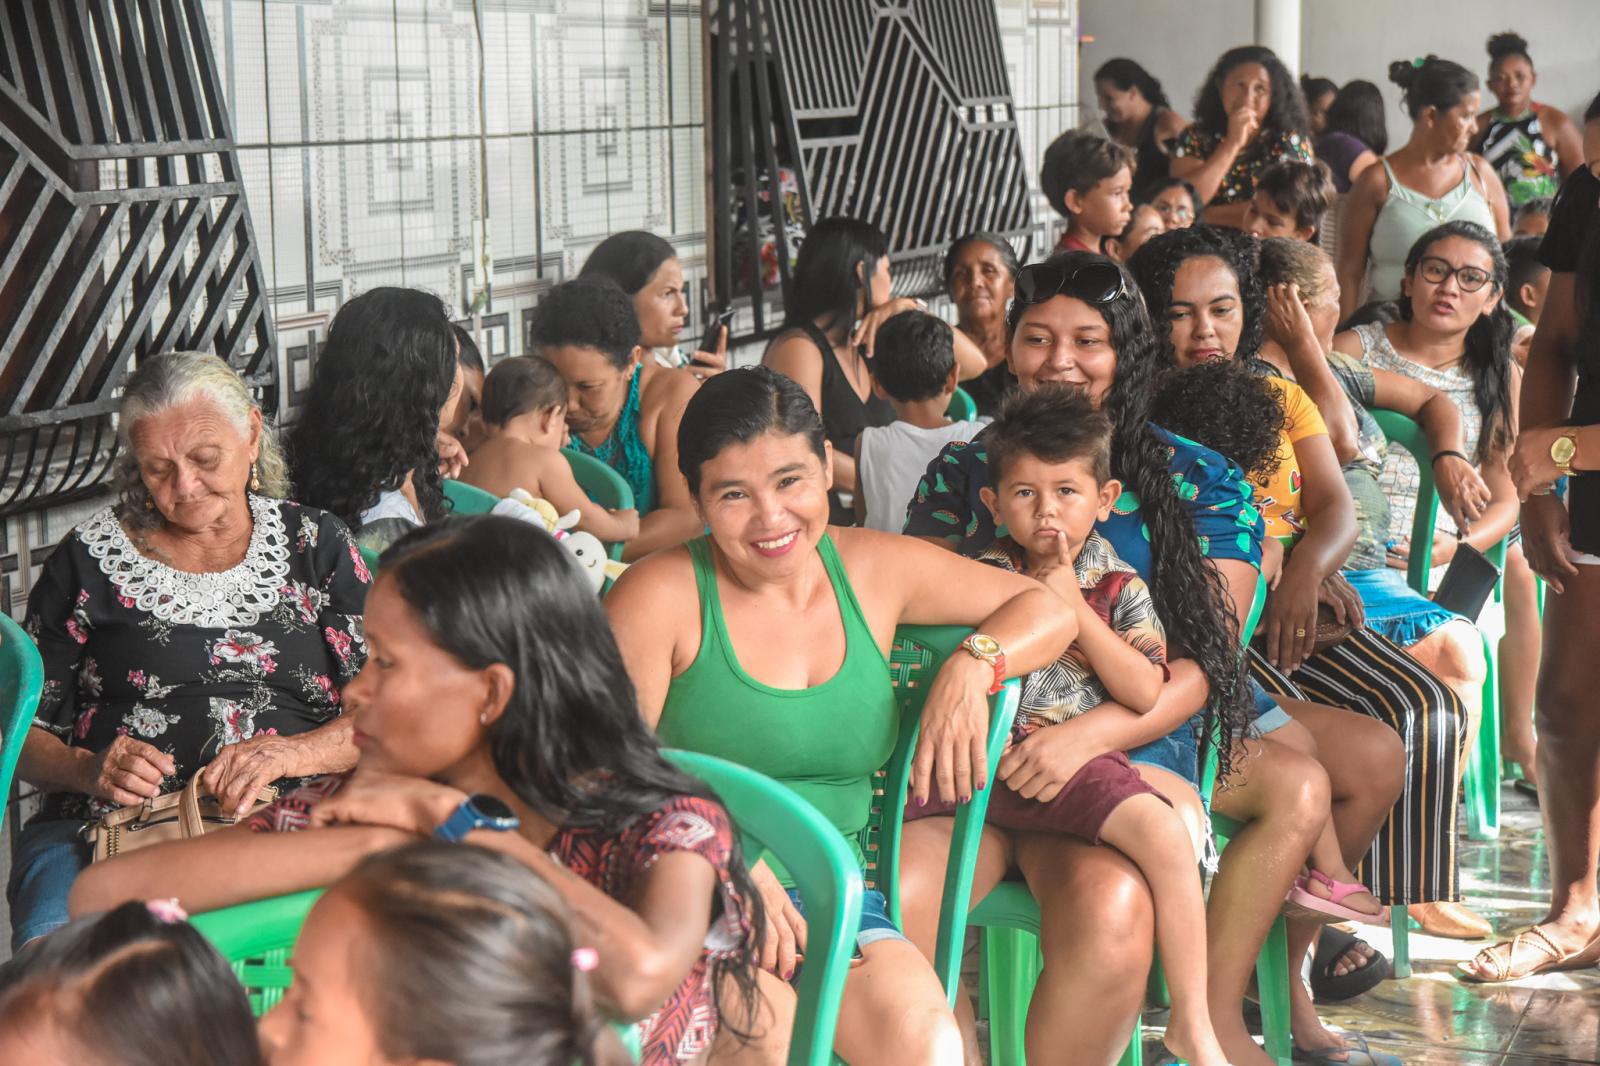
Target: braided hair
x,y
1190,596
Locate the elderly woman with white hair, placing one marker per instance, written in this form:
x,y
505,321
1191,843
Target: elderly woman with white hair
x,y
199,624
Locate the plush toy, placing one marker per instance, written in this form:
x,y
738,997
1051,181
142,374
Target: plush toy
x,y
585,547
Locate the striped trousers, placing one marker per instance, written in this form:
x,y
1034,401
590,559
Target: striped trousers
x,y
1413,859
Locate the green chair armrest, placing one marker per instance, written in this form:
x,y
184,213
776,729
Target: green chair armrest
x,y
21,682
468,499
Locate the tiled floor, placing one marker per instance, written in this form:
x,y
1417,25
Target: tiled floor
x,y
1432,1019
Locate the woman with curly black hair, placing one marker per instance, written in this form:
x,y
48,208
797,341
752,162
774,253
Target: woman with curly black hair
x,y
367,445
1248,116
1186,525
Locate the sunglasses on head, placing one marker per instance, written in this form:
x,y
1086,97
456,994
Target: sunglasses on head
x,y
1093,283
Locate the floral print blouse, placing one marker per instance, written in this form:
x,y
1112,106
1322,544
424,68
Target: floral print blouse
x,y
191,663
1239,184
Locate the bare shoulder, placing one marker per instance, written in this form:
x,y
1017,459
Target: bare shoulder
x,y
1170,124
1372,184
1347,342
659,586
792,347
1553,119
667,388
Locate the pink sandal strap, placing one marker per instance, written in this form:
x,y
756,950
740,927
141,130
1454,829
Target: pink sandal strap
x,y
1338,891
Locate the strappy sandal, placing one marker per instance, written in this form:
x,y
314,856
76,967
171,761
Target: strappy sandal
x,y
1498,964
1303,903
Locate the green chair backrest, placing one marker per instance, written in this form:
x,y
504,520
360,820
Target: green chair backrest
x,y
962,408
603,485
1410,436
914,660
369,557
256,939
21,681
772,818
469,499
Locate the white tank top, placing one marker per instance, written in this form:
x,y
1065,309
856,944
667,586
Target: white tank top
x,y
890,462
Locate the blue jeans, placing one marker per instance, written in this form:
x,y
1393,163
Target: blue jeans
x,y
49,856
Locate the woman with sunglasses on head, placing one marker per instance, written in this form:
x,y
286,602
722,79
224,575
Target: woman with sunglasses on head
x,y
1186,524
1559,437
1454,335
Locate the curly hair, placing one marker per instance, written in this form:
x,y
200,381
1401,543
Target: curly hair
x,y
1486,351
1190,595
590,311
1157,263
1505,45
171,380
1229,408
372,415
1287,112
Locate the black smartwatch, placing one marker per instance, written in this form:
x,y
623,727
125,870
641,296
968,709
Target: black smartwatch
x,y
480,811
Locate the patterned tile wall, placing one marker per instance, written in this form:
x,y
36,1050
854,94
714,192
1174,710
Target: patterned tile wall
x,y
414,142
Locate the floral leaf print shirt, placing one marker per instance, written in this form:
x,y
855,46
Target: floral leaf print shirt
x,y
191,663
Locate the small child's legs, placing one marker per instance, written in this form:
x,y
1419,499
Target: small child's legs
x,y
1147,830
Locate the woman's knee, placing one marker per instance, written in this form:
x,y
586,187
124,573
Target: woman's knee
x,y
1454,652
1104,912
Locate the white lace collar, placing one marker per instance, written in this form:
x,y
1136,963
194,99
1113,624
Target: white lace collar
x,y
235,597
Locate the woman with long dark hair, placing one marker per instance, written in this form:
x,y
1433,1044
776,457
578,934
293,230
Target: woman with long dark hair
x,y
1454,335
1249,115
815,709
1530,145
1432,178
1318,93
367,445
1186,524
646,267
841,294
1563,544
1355,134
494,708
980,271
1136,113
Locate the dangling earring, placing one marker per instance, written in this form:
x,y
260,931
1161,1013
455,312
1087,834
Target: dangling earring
x,y
255,479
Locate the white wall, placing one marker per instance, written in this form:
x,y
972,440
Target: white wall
x,y
1178,40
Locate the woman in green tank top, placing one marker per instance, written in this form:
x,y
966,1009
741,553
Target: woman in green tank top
x,y
766,643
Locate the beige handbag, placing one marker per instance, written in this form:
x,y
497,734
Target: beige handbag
x,y
173,816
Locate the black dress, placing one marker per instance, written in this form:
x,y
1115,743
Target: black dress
x,y
190,663
1572,245
844,415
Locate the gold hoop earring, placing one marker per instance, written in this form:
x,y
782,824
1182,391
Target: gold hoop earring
x,y
255,479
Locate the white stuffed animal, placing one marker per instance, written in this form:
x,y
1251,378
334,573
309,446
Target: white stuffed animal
x,y
585,547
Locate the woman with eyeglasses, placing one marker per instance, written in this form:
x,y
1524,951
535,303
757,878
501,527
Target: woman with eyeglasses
x,y
1186,524
1454,335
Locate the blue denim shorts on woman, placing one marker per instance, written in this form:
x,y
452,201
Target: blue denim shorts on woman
x,y
875,923
1394,608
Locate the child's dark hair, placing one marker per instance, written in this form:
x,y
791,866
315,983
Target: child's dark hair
x,y
1229,408
1487,349
1505,45
1054,422
132,988
1077,161
472,960
1539,205
1523,268
588,312
521,384
1304,190
1156,189
1432,82
915,353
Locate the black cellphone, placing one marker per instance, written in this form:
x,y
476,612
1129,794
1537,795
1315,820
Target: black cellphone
x,y
1467,582
715,322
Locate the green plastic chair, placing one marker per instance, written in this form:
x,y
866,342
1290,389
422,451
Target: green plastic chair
x,y
1010,959
21,681
962,407
1482,779
603,485
468,499
772,818
258,938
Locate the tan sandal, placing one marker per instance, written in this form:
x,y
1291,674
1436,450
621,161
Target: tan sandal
x,y
1497,964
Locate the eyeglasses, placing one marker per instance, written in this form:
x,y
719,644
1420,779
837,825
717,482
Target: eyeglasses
x,y
1170,211
1093,283
1436,270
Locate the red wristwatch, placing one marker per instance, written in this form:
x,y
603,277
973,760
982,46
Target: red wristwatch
x,y
982,646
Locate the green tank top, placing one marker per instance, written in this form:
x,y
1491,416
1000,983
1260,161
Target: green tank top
x,y
823,742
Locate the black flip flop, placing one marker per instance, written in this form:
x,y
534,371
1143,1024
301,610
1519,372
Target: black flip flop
x,y
1331,947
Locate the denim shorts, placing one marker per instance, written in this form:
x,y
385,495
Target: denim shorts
x,y
875,923
1394,608
49,856
1178,751
1267,715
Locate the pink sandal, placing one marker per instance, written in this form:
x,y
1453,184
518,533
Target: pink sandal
x,y
1301,899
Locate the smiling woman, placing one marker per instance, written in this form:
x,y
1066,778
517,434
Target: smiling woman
x,y
201,624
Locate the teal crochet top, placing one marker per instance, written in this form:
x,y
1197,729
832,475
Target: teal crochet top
x,y
625,453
